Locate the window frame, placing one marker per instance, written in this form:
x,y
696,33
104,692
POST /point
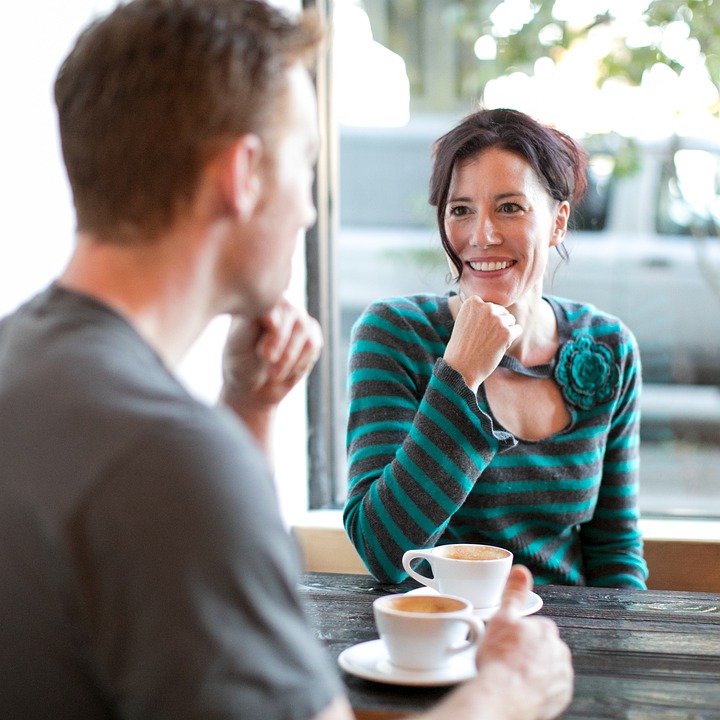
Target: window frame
x,y
325,440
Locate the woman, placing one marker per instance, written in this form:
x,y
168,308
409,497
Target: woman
x,y
497,414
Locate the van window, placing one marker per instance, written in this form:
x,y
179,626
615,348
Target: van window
x,y
592,211
689,200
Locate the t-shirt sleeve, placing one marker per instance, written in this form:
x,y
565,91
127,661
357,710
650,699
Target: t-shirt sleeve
x,y
186,583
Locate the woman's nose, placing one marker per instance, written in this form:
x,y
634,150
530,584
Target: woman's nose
x,y
484,234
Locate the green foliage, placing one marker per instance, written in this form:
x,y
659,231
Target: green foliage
x,y
545,36
470,19
624,152
702,16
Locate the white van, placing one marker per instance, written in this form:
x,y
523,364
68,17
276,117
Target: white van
x,y
648,251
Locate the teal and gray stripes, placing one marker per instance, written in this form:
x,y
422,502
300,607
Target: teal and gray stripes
x,y
428,463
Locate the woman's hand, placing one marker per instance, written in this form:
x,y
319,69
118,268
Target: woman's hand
x,y
483,332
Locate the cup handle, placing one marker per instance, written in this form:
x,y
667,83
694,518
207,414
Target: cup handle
x,y
477,630
408,557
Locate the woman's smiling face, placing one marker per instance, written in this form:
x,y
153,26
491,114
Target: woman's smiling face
x,y
501,223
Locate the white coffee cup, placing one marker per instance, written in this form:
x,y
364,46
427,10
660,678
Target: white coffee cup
x,y
425,632
475,572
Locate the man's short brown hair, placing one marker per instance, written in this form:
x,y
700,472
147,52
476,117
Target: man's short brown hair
x,y
153,90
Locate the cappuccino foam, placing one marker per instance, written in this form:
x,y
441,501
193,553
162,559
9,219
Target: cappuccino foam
x,y
473,552
425,604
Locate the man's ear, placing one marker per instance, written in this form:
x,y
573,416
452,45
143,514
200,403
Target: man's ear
x,y
562,217
241,177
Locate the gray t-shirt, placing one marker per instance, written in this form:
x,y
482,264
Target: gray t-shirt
x,y
144,568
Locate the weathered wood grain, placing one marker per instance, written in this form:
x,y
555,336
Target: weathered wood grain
x,y
637,654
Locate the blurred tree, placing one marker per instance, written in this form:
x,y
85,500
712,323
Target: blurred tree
x,y
510,36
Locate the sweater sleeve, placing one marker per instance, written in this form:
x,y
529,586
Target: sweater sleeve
x,y
417,440
611,541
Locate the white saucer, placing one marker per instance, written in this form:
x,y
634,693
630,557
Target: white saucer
x,y
533,604
369,660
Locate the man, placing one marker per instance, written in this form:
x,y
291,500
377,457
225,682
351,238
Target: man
x,y
145,572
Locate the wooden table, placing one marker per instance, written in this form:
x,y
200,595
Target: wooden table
x,y
638,655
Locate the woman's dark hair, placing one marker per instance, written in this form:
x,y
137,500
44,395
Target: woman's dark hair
x,y
559,162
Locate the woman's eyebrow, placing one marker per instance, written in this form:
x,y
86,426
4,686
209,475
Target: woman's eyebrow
x,y
499,196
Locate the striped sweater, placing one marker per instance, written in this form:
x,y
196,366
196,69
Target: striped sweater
x,y
429,464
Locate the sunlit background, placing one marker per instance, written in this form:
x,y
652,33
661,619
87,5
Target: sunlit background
x,y
372,88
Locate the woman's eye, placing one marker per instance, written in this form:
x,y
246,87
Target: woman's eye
x,y
509,208
458,211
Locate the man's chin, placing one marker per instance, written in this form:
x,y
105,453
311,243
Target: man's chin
x,y
252,306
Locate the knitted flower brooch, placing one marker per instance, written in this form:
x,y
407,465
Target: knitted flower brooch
x,y
586,372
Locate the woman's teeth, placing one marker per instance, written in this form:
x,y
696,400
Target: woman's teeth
x,y
489,266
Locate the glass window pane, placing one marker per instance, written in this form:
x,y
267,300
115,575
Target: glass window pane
x,y
591,213
689,201
644,243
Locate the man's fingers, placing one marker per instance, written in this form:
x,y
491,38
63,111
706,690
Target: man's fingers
x,y
515,595
291,347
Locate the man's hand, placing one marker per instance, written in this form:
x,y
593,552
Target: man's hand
x,y
525,669
264,359
527,656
